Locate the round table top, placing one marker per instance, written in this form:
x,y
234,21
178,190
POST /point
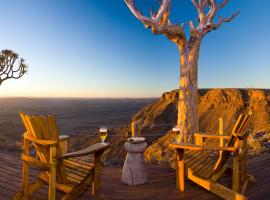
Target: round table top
x,y
136,139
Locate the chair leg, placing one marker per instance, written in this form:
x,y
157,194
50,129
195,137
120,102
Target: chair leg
x,y
236,179
244,170
216,188
52,174
96,171
32,188
25,175
180,175
249,179
24,194
25,185
78,189
35,186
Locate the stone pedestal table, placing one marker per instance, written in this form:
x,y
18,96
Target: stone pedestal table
x,y
134,170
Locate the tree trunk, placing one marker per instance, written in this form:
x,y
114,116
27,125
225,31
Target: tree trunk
x,y
187,120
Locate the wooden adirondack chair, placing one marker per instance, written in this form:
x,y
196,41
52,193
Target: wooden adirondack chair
x,y
203,169
70,173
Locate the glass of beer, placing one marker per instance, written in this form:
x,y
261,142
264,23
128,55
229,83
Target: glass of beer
x,y
103,134
176,134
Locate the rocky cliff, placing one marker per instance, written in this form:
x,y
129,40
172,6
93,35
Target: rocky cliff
x,y
213,104
157,119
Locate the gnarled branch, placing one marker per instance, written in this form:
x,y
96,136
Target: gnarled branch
x,y
206,21
11,66
223,4
157,19
159,22
221,20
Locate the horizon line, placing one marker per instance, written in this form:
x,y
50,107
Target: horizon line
x,y
55,97
153,97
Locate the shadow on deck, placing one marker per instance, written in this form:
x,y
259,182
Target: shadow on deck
x,y
161,183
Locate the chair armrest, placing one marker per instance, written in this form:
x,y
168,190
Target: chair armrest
x,y
205,135
39,141
99,147
187,146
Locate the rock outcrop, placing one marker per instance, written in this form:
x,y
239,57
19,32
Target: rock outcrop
x,y
213,104
157,119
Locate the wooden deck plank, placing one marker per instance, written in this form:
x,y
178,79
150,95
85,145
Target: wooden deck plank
x,y
161,183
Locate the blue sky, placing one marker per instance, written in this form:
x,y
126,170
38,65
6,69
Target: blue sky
x,y
97,48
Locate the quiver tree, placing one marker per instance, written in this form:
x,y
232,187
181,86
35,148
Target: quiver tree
x,y
11,66
189,49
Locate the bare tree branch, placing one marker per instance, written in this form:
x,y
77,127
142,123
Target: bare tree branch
x,y
206,22
11,67
222,20
204,4
197,5
213,10
191,25
223,4
159,22
155,19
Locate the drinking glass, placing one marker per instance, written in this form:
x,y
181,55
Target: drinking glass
x,y
176,134
103,134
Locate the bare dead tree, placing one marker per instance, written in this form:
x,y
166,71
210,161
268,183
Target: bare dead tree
x,y
11,66
189,49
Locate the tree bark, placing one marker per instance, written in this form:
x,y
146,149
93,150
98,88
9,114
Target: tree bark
x,y
187,120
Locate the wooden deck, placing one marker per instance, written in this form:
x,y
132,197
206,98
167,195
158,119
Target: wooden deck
x,y
161,184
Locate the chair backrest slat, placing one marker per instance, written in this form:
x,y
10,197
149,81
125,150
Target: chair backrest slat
x,y
238,130
25,123
53,128
238,123
37,132
44,127
244,124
